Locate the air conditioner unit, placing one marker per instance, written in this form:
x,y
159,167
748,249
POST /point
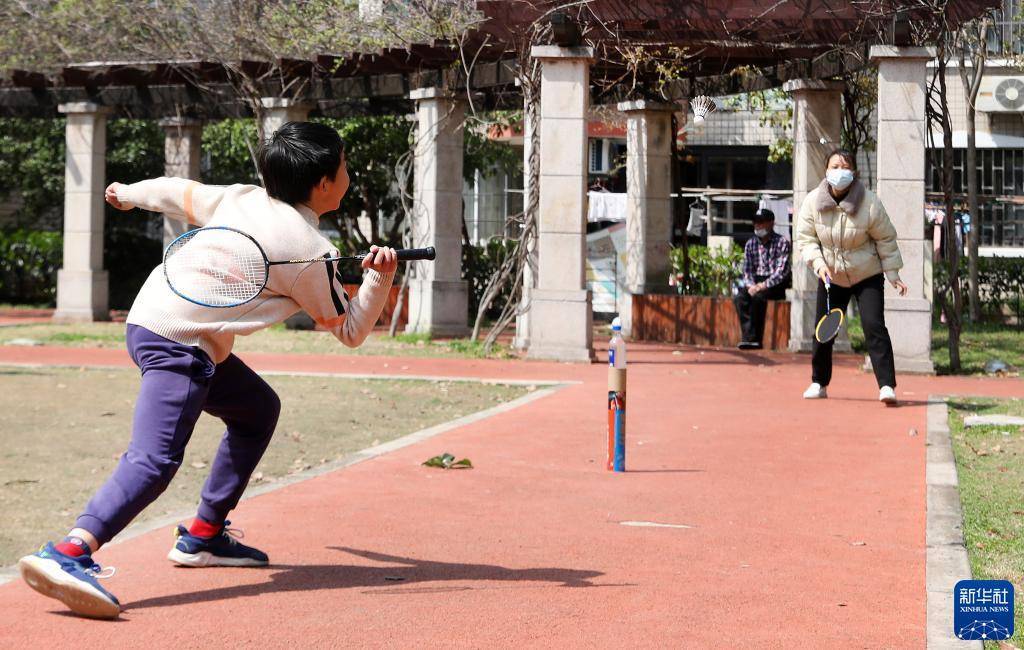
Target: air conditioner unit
x,y
1000,94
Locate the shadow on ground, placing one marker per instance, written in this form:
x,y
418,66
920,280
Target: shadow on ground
x,y
284,578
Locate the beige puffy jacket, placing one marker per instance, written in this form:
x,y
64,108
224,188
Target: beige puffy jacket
x,y
854,239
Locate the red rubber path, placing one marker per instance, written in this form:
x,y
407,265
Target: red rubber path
x,y
806,522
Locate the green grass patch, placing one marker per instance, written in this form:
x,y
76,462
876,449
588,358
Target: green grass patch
x,y
979,343
275,339
63,431
990,466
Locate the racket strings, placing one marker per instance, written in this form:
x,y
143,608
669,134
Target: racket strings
x,y
215,267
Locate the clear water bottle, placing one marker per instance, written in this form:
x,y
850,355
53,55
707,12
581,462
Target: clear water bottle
x,y
617,346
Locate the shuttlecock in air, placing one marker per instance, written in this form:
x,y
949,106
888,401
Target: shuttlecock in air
x,y
701,105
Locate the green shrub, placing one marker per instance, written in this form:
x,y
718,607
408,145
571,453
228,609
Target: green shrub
x,y
479,263
1000,285
28,266
711,273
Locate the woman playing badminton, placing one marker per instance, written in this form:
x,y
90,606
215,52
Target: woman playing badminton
x,y
845,235
184,351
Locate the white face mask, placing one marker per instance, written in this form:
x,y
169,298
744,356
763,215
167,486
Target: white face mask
x,y
839,178
761,232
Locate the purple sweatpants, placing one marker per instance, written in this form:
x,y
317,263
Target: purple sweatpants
x,y
178,383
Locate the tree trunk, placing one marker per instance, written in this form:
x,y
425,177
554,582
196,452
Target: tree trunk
x,y
399,304
975,212
949,228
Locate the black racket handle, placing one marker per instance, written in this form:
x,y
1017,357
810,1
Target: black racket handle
x,y
408,254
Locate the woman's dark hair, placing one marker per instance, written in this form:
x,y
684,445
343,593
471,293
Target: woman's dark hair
x,y
850,159
294,160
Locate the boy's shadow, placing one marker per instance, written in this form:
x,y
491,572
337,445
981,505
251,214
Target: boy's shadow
x,y
290,577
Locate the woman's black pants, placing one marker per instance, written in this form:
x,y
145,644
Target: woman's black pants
x,y
870,295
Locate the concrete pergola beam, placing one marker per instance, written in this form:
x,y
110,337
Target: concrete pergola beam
x,y
438,296
648,201
82,284
561,317
901,145
182,152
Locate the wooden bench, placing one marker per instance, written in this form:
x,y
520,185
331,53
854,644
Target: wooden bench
x,y
701,320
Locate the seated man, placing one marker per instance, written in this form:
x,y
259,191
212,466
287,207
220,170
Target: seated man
x,y
766,276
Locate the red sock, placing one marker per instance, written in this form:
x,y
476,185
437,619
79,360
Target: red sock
x,y
202,528
73,547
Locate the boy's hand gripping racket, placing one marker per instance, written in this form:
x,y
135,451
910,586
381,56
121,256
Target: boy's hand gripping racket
x,y
218,266
829,324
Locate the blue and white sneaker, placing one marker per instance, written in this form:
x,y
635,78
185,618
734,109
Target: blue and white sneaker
x,y
71,580
220,550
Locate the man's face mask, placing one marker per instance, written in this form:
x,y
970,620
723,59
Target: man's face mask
x,y
840,179
761,232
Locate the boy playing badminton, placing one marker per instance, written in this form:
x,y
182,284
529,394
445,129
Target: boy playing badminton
x,y
184,352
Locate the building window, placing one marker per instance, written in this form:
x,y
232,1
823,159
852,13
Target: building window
x,y
1007,34
1000,192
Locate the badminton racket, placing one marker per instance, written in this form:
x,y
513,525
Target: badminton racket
x,y
219,266
829,324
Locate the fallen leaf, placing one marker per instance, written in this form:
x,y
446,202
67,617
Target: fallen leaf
x,y
447,461
913,432
256,477
198,464
858,543
105,414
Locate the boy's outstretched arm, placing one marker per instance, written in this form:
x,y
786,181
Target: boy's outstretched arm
x,y
319,291
178,198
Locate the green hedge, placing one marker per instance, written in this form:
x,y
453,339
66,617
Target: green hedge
x,y
1000,285
28,266
479,263
711,273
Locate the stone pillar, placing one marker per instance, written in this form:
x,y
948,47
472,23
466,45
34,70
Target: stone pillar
x,y
901,186
278,110
438,296
82,284
561,318
817,115
522,337
182,140
648,202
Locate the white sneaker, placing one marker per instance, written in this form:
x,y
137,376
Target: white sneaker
x,y
815,391
887,395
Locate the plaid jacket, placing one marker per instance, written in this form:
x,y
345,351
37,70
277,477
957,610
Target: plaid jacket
x,y
771,259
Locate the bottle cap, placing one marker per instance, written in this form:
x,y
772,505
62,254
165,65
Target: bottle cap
x,y
616,324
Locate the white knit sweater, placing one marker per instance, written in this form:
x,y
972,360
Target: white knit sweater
x,y
285,232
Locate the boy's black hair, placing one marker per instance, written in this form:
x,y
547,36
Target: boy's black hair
x,y
296,157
